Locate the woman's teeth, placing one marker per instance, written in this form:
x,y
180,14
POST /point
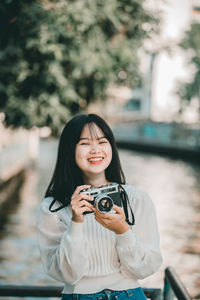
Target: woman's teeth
x,y
96,159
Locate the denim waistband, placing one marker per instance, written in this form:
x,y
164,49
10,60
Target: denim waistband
x,y
108,294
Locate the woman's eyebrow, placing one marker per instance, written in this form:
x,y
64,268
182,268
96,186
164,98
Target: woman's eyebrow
x,y
85,138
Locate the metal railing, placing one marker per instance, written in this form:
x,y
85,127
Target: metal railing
x,y
172,287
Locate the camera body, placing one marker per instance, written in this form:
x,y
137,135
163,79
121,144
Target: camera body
x,y
105,197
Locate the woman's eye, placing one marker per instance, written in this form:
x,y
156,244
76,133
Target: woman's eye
x,y
103,142
84,144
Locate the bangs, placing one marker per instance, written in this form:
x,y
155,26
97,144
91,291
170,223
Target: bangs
x,y
92,126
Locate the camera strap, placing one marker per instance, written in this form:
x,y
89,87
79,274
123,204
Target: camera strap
x,y
56,209
127,207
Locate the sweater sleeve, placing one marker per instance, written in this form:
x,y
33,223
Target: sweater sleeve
x,y
138,248
62,248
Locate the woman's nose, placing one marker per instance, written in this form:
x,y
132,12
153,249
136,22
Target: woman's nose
x,y
94,148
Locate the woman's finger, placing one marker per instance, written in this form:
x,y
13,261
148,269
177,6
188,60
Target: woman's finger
x,y
107,215
86,197
119,210
84,209
79,189
83,203
81,197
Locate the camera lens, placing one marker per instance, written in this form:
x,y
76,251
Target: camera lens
x,y
103,203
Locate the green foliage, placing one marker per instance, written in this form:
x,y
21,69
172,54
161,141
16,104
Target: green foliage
x,y
58,56
191,43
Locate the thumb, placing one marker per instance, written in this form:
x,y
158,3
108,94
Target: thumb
x,y
118,209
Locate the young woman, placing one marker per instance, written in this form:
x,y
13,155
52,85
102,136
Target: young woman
x,y
96,255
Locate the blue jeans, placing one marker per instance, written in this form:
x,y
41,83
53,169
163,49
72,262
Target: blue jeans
x,y
132,294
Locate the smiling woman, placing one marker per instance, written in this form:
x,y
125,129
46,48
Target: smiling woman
x,y
93,150
68,175
100,253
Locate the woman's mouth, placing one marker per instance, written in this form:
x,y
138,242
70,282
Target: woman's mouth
x,y
95,160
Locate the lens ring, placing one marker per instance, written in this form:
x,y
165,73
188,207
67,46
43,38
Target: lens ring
x,y
103,203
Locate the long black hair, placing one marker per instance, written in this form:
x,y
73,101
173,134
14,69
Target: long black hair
x,y
67,175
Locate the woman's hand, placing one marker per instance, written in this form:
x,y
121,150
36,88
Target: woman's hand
x,y
113,221
79,204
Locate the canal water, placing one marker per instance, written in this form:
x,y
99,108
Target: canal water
x,y
172,184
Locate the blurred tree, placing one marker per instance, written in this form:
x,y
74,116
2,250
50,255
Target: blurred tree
x,y
57,56
191,42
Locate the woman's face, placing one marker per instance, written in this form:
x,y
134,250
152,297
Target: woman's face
x,y
93,153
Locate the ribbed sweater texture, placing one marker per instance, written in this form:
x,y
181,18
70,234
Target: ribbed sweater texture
x,y
88,258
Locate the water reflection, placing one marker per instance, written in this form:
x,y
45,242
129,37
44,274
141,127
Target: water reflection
x,y
173,186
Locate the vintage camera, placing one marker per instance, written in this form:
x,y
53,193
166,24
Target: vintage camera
x,y
105,197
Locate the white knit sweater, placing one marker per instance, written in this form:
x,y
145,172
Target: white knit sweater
x,y
89,258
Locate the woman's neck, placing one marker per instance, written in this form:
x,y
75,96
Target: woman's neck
x,y
96,181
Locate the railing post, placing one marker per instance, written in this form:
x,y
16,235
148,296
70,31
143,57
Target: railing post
x,y
173,282
168,292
